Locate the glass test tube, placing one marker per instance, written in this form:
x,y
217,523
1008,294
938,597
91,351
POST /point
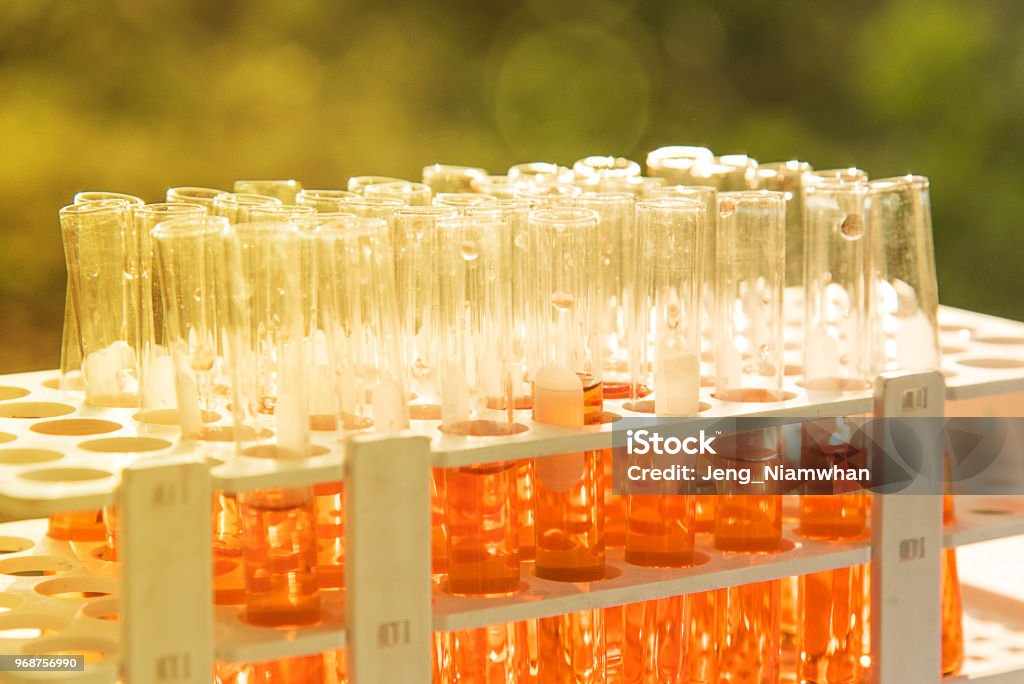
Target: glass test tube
x,y
540,172
673,163
666,359
194,195
270,412
357,183
445,178
284,190
324,200
461,201
235,207
100,251
750,237
596,168
373,207
189,266
502,187
741,173
357,312
787,177
567,390
413,194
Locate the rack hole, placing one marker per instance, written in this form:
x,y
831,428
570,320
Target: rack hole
x,y
962,330
425,412
125,445
1000,339
82,586
9,602
69,427
15,544
482,428
102,609
28,456
752,395
950,350
6,437
273,451
990,511
834,385
12,393
991,363
65,474
647,406
34,566
34,409
171,417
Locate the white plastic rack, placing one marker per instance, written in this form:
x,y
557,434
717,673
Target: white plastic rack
x,y
58,596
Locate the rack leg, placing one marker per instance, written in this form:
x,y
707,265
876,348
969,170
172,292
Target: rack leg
x,y
166,573
387,568
906,539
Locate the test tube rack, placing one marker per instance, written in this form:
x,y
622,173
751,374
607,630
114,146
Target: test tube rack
x,y
58,596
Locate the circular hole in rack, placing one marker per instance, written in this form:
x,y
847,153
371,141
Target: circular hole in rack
x,y
949,350
706,381
34,409
963,330
7,392
752,395
991,363
170,417
482,428
791,369
647,406
15,544
93,649
834,385
9,602
65,474
105,608
34,566
610,572
28,456
30,625
226,433
7,437
1000,339
125,445
78,587
71,427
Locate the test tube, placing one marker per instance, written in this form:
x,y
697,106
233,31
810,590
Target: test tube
x,y
235,207
188,261
750,248
739,173
100,249
284,190
673,163
502,187
567,390
269,407
839,290
666,318
540,173
413,194
358,315
461,201
376,207
615,259
324,200
550,195
906,335
357,183
280,212
444,178
194,195
596,168
639,186
788,177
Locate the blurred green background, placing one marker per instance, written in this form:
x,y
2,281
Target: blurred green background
x,y
139,95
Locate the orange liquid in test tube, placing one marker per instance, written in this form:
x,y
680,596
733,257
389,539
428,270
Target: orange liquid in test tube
x,y
569,490
952,602
330,534
305,669
279,551
572,648
438,529
702,654
748,632
77,526
525,511
654,648
661,530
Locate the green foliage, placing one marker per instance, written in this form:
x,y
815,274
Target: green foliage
x,y
138,95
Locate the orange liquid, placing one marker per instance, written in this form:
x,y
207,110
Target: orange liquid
x,y
110,522
330,534
660,531
748,633
614,507
528,655
654,649
615,639
483,542
84,526
438,530
305,669
227,539
571,648
790,610
569,496
705,512
524,509
486,655
952,602
279,557
701,632
830,637
749,522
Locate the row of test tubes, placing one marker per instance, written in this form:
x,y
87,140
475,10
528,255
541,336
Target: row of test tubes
x,y
259,319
